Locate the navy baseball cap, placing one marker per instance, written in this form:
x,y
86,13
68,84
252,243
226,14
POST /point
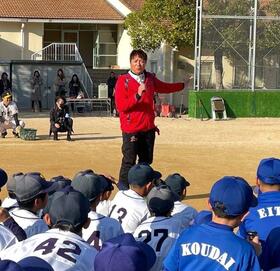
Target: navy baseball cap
x,y
269,171
124,253
109,186
8,265
33,263
90,184
3,177
61,182
233,194
29,185
69,206
11,184
177,183
160,199
141,174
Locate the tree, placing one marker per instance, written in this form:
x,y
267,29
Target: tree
x,y
160,21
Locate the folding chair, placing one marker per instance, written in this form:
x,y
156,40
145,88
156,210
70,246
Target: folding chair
x,y
218,108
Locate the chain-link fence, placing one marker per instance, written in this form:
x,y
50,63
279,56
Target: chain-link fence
x,y
237,44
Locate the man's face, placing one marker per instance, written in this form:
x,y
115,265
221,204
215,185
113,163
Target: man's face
x,y
6,101
137,64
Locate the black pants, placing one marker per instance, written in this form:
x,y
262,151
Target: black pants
x,y
137,144
66,126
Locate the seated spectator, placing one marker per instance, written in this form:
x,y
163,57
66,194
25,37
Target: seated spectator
x,y
13,229
123,253
271,250
27,264
9,116
60,84
184,212
36,94
10,202
214,246
5,84
129,207
32,196
103,206
161,230
266,215
101,228
61,246
60,120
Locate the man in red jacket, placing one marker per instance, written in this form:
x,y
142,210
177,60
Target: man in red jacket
x,y
134,97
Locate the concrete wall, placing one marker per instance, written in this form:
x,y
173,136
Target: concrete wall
x,y
124,48
12,46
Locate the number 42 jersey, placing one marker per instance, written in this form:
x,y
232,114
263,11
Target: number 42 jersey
x,y
63,250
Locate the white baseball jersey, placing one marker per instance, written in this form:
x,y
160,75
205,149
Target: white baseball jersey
x,y
9,203
101,229
103,207
184,212
7,112
28,221
63,250
159,233
7,238
130,209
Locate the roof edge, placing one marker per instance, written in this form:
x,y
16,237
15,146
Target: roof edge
x,y
49,20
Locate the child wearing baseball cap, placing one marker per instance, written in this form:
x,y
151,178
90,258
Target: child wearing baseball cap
x,y
124,253
266,215
101,228
214,246
129,206
62,246
178,184
161,230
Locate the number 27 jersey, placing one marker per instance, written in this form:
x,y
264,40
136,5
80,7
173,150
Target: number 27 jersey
x,y
159,233
61,249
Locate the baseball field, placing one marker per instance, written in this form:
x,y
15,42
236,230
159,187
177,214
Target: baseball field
x,y
202,151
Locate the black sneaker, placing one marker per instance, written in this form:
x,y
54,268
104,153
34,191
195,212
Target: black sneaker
x,y
3,135
69,138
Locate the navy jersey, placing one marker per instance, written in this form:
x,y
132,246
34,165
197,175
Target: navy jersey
x,y
211,247
264,217
271,250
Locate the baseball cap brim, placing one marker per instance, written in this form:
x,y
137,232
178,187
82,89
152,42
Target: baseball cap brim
x,y
157,175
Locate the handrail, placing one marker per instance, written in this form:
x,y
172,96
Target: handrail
x,y
58,51
66,52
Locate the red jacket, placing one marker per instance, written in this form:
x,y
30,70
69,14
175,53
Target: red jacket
x,y
138,115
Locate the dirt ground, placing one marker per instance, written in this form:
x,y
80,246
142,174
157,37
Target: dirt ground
x,y
202,151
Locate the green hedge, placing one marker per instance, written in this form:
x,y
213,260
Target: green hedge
x,y
241,103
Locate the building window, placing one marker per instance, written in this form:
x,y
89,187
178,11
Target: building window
x,y
105,50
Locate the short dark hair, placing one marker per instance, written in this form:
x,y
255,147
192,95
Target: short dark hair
x,y
140,53
28,205
63,226
220,211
